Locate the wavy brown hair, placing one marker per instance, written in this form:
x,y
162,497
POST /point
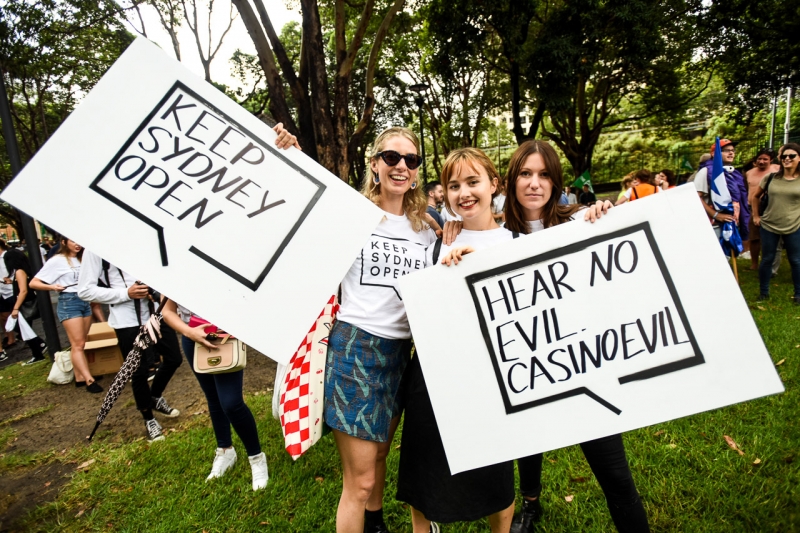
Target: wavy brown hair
x,y
552,213
415,204
467,156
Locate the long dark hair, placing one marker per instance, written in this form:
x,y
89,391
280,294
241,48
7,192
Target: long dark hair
x,y
552,213
790,146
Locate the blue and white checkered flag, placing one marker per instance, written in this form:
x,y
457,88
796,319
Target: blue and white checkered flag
x,y
729,238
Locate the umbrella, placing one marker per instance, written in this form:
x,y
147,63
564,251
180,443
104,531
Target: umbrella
x,y
149,333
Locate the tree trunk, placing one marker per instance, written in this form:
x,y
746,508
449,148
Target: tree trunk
x,y
277,99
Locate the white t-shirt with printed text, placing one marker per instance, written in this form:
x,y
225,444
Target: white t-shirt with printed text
x,y
60,271
370,299
478,240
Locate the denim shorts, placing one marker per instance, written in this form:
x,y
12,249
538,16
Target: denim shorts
x,y
70,306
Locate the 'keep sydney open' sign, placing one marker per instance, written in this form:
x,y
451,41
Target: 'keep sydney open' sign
x,y
164,176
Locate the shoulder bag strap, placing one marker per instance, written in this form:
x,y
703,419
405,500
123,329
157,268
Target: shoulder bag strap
x,y
437,248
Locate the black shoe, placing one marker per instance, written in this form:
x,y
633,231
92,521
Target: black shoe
x,y
530,514
94,388
33,361
3,356
160,405
378,528
80,384
762,297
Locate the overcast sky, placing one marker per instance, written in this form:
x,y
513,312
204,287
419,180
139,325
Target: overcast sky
x,y
236,38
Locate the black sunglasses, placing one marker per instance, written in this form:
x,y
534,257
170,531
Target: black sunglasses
x,y
790,157
392,158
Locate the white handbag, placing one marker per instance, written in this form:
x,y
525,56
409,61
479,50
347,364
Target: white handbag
x,y
62,372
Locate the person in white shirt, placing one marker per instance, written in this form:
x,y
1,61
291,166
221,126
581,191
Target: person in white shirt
x,y
6,303
534,179
61,274
130,306
470,181
370,343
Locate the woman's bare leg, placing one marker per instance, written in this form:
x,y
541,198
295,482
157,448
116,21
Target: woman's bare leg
x,y
501,522
359,458
76,329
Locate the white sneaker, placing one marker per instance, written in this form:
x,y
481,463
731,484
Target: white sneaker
x,y
744,255
258,464
223,460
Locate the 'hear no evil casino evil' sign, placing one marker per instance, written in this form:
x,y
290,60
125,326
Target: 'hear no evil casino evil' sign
x,y
583,331
164,176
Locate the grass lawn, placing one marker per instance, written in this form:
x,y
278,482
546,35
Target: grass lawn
x,y
688,476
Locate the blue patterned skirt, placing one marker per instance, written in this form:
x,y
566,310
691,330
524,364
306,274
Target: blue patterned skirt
x,y
362,378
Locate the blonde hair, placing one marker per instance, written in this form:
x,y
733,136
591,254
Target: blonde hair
x,y
467,156
414,202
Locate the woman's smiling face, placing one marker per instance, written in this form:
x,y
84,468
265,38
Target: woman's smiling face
x,y
533,187
395,180
470,190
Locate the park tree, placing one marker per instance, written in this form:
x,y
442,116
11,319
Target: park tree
x,y
592,57
173,14
461,86
52,52
321,86
755,48
576,63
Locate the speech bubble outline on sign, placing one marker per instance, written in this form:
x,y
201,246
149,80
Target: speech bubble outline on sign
x,y
545,323
182,156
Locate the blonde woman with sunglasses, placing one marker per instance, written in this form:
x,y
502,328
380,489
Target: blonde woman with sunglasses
x,y
370,343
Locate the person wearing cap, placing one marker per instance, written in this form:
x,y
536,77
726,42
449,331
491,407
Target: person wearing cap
x,y
736,186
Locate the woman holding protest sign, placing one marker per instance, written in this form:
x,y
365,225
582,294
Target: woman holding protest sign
x,y
781,218
534,172
470,181
370,343
61,274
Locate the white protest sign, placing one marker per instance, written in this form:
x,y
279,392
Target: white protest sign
x,y
584,330
164,176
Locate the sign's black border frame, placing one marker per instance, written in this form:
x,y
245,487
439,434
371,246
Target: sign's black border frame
x,y
253,285
660,370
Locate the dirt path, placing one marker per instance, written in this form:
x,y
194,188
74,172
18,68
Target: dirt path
x,y
72,418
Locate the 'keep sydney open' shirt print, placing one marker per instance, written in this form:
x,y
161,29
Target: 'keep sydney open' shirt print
x,y
370,298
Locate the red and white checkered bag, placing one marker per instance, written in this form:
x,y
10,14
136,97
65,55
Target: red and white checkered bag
x,y
301,395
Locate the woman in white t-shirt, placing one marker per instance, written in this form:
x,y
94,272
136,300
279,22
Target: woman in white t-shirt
x,y
534,173
370,343
424,482
61,274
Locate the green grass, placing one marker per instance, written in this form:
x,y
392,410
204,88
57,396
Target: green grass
x,y
689,478
18,380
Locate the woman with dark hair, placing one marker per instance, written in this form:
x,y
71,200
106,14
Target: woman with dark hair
x,y
61,274
534,172
781,219
19,272
666,179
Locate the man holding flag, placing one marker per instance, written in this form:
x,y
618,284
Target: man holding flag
x,y
728,209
